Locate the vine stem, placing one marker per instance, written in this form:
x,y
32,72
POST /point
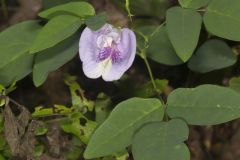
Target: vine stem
x,y
4,9
127,6
150,73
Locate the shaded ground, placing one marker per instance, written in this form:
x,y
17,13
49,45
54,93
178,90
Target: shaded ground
x,y
206,143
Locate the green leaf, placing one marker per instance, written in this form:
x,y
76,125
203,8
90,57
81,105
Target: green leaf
x,y
223,19
40,131
161,50
38,150
183,27
53,58
16,40
80,9
83,132
55,31
96,22
234,83
212,55
146,90
204,105
53,3
43,112
194,4
116,132
79,101
102,107
161,141
121,156
9,74
14,46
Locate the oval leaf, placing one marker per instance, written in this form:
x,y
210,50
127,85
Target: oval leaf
x,y
234,83
161,50
16,41
53,58
212,55
14,46
80,9
55,31
222,19
183,27
17,69
96,22
115,134
204,105
161,141
194,4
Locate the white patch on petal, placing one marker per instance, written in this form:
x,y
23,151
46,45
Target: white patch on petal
x,y
93,70
107,66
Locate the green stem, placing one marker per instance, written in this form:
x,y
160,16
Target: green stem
x,y
127,6
150,73
4,9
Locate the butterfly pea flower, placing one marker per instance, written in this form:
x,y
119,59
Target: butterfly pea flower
x,y
107,52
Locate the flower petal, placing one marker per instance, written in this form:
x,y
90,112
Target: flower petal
x,y
93,69
87,46
112,74
127,47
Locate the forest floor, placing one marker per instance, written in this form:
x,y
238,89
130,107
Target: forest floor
x,y
220,142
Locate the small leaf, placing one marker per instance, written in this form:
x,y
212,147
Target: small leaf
x,y
80,9
14,46
55,31
234,83
212,55
9,74
96,22
121,156
41,112
40,131
194,4
102,107
58,109
38,150
204,105
116,132
161,50
183,27
161,141
146,90
53,3
83,132
79,101
53,58
223,19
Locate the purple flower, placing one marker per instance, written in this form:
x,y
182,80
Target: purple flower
x,y
108,52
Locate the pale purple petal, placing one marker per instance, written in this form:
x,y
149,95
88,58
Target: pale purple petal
x,y
108,52
115,73
92,69
127,47
87,48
